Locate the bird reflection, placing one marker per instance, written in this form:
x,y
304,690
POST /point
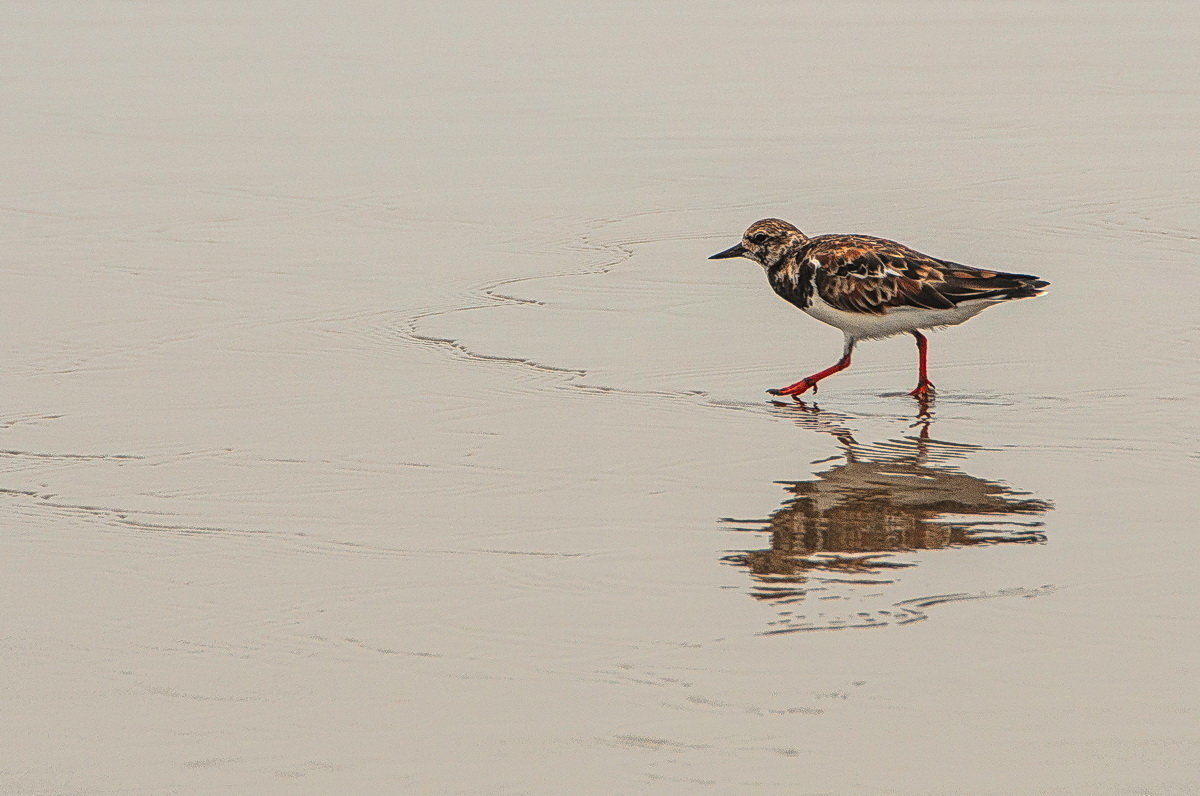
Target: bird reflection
x,y
853,522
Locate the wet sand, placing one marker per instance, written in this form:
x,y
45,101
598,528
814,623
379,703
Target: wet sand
x,y
373,419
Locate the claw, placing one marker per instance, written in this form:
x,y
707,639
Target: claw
x,y
799,388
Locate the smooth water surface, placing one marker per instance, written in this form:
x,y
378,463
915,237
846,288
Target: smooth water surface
x,y
373,420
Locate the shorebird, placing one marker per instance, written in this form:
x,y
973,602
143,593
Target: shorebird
x,y
872,288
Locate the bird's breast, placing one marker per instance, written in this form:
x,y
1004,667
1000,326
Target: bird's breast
x,y
793,282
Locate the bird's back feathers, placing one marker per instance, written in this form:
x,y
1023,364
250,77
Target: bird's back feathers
x,y
864,274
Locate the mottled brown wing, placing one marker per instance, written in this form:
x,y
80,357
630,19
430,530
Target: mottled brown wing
x,y
857,273
964,283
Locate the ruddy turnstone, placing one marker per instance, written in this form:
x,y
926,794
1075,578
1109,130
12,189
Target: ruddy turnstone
x,y
872,288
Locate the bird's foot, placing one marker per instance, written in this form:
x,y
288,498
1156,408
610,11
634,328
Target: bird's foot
x,y
924,389
795,390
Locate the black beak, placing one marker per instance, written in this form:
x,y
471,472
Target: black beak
x,y
733,251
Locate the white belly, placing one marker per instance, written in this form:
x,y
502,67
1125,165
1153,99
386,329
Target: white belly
x,y
899,320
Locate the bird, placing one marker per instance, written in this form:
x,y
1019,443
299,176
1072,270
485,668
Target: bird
x,y
871,288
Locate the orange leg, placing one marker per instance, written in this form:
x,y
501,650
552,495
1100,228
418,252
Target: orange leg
x,y
924,385
810,382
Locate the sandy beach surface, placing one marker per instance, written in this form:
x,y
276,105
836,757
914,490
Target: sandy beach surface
x,y
374,422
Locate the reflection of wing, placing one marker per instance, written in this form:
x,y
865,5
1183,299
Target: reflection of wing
x,y
852,516
859,273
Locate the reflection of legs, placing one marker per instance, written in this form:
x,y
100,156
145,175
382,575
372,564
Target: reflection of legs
x,y
924,385
810,382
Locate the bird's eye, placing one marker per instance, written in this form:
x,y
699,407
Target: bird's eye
x,y
758,238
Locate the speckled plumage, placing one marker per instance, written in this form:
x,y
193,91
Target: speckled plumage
x,y
872,287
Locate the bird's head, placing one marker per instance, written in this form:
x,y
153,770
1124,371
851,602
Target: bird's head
x,y
767,242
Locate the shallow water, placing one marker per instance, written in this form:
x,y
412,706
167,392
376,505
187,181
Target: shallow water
x,y
374,420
